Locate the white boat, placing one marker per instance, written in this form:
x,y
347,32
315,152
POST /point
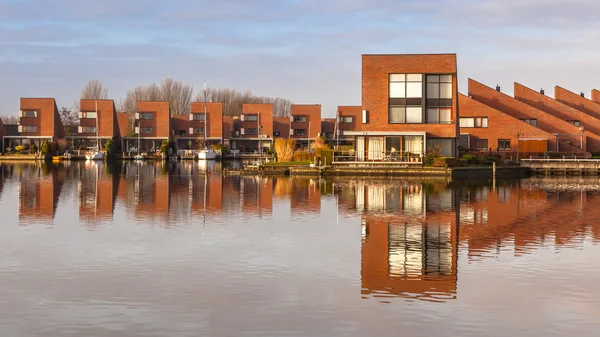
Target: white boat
x,y
94,155
207,154
139,157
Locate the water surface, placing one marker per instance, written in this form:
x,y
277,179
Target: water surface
x,y
178,249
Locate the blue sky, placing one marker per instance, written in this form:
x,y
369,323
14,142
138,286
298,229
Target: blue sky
x,y
308,51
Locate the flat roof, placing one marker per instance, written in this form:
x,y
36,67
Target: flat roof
x,y
409,54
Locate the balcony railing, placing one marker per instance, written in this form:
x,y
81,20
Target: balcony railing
x,y
378,157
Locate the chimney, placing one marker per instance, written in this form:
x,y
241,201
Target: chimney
x,y
542,91
582,94
498,88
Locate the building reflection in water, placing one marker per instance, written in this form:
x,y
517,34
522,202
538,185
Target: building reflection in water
x,y
409,240
39,192
97,189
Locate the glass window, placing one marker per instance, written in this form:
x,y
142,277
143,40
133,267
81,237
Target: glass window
x,y
346,119
198,131
439,90
414,90
414,114
180,133
146,115
251,131
532,122
199,117
145,130
300,132
393,145
29,113
29,128
473,122
444,146
397,90
576,123
439,116
481,144
397,114
503,144
251,118
299,119
88,114
88,129
413,144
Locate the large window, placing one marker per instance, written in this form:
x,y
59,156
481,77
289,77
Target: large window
x,y
299,119
503,144
346,119
473,122
251,131
439,116
439,91
88,114
28,128
481,144
530,121
146,130
251,118
300,132
88,129
146,115
198,131
199,117
405,98
29,113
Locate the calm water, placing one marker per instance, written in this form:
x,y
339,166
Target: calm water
x,y
153,249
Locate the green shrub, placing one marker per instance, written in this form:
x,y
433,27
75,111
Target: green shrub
x,y
111,148
470,159
164,147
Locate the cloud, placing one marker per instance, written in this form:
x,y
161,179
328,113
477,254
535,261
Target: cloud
x,y
308,51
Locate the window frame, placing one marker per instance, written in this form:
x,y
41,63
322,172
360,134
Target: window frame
x,y
248,133
479,122
529,120
25,112
88,129
297,132
144,130
477,145
84,114
300,119
405,100
438,111
27,127
575,122
199,116
250,118
143,115
344,119
504,148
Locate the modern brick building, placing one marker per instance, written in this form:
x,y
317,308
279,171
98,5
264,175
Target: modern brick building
x,y
189,130
569,137
328,128
305,124
97,120
578,102
596,95
38,121
483,128
348,120
586,124
253,130
152,126
409,103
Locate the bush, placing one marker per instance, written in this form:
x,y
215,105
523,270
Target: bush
x,y
448,162
303,155
164,147
470,159
45,147
34,148
433,152
285,149
111,148
19,148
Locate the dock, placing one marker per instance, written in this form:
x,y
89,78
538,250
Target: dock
x,y
578,167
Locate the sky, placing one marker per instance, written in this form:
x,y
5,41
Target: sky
x,y
308,51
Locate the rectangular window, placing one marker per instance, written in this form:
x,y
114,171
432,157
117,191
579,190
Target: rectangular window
x,y
481,144
576,123
199,117
438,116
346,119
299,119
29,128
329,135
88,129
145,130
198,131
300,132
405,98
251,131
180,133
88,114
503,144
146,115
276,134
29,113
473,122
530,121
251,118
439,91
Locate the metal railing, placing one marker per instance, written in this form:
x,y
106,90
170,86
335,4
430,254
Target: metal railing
x,y
560,160
377,157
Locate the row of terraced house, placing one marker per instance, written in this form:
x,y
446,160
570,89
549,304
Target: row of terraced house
x,y
410,104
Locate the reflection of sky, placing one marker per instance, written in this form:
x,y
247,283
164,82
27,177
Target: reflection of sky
x,y
294,273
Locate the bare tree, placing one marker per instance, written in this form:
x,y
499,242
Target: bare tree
x,y
94,89
178,95
233,101
9,119
70,119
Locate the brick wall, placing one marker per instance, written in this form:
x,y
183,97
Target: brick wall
x,y
47,122
214,113
312,113
328,127
161,123
497,122
519,110
107,117
350,111
282,125
265,112
577,102
596,95
562,111
375,90
227,127
123,124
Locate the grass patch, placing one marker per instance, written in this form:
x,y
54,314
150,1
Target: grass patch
x,y
289,163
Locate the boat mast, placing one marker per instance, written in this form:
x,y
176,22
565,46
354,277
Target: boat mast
x,y
97,127
205,119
